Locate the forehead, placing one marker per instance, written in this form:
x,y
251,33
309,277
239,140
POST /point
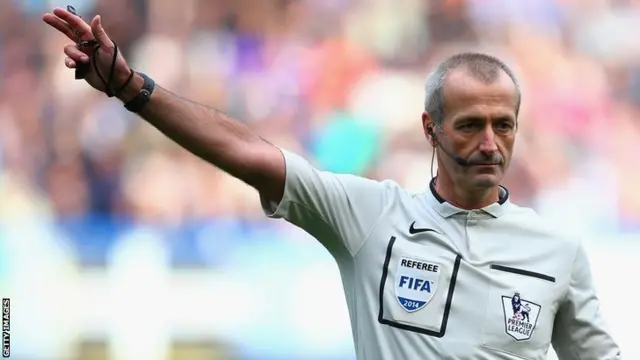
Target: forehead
x,y
466,94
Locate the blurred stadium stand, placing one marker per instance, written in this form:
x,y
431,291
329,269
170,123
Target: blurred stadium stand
x,y
117,245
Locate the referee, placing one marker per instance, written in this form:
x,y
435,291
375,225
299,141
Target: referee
x,y
458,272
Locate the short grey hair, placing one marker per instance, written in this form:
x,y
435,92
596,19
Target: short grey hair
x,y
484,67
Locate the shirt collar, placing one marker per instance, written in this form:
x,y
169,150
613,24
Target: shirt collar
x,y
446,209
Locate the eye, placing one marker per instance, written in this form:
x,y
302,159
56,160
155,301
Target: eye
x,y
469,125
504,126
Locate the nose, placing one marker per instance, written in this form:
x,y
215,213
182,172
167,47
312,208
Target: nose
x,y
488,142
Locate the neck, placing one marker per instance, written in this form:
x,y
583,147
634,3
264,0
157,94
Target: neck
x,y
463,197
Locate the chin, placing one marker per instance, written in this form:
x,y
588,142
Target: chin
x,y
485,181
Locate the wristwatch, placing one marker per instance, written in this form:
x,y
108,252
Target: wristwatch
x,y
143,97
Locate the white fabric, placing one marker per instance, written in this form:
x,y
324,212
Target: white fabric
x,y
457,282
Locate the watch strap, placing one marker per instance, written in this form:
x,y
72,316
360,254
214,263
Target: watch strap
x,y
143,97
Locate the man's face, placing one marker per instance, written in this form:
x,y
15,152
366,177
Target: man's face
x,y
479,126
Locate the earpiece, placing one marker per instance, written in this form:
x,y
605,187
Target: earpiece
x,y
434,141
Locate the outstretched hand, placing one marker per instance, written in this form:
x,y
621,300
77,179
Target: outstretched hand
x,y
105,64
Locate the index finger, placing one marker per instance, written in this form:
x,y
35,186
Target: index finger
x,y
60,25
74,21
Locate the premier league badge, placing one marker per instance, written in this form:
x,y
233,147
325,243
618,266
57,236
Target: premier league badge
x,y
416,283
520,316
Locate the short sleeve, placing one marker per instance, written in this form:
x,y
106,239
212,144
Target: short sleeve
x,y
580,331
338,210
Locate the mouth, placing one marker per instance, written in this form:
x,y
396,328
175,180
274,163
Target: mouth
x,y
484,165
485,168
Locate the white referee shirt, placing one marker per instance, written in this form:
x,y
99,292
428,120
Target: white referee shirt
x,y
426,280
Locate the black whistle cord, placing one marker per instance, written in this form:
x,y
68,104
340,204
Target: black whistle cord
x,y
82,69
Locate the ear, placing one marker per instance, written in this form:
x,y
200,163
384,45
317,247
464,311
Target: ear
x,y
427,127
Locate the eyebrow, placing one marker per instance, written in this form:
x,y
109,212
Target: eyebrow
x,y
508,118
470,117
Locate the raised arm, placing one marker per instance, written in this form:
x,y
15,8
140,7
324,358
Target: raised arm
x,y
338,210
208,133
215,137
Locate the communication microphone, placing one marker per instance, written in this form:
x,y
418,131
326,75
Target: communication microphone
x,y
459,160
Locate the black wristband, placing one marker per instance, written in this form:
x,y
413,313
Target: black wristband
x,y
143,96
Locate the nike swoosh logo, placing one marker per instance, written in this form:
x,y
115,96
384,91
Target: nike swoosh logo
x,y
413,230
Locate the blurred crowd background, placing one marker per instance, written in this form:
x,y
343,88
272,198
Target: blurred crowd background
x,y
116,244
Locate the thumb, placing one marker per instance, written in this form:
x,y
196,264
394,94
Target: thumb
x,y
99,34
